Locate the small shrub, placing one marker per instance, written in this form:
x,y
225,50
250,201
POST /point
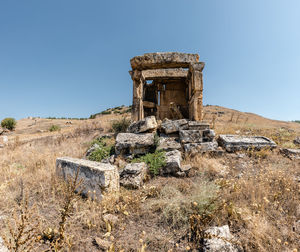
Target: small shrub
x,y
106,148
8,123
105,112
155,161
177,203
54,128
121,125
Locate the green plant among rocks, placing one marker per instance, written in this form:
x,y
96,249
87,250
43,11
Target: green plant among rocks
x,y
155,161
8,123
104,148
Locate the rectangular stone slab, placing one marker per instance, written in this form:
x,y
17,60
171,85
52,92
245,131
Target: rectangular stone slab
x,y
164,73
95,177
163,60
131,143
291,153
236,143
196,125
190,136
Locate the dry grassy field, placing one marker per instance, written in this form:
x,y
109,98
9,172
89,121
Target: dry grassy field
x,y
256,193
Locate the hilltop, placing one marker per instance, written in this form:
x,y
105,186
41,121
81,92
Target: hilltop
x,y
255,193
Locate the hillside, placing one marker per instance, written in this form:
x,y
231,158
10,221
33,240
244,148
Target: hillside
x,y
255,193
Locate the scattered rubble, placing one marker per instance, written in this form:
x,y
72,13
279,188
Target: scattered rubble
x,y
147,124
234,143
131,143
291,153
219,239
133,175
95,177
297,140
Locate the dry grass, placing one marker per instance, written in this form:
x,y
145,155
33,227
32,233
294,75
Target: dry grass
x,y
255,193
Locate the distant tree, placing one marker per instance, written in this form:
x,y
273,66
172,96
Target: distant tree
x,y
8,123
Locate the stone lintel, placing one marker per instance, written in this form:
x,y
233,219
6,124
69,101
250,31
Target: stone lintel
x,y
153,74
163,60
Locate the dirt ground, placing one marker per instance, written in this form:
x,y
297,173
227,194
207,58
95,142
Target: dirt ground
x,y
256,193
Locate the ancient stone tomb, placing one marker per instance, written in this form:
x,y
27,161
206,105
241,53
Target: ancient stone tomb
x,y
167,85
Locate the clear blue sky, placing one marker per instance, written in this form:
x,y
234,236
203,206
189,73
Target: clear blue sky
x,y
71,58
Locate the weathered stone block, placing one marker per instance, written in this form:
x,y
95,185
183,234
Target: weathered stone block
x,y
297,141
219,239
190,136
236,143
173,163
291,153
148,124
133,175
168,144
200,147
170,126
208,135
131,143
197,125
163,60
95,177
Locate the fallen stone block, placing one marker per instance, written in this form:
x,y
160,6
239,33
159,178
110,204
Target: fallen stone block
x,y
173,163
232,143
102,244
219,239
95,178
170,126
197,125
133,175
148,124
168,144
194,148
191,136
131,143
291,153
297,141
208,135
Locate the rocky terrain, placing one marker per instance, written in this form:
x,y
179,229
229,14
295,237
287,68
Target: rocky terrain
x,y
229,184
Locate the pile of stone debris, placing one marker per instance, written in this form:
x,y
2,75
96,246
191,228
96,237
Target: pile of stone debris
x,y
175,138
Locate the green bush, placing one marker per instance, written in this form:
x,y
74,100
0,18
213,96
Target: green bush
x,y
8,123
121,125
106,148
155,161
54,128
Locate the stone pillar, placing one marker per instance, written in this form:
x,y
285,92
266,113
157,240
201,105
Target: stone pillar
x,y
196,91
137,101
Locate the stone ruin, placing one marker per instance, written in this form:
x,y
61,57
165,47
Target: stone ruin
x,y
167,116
167,85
